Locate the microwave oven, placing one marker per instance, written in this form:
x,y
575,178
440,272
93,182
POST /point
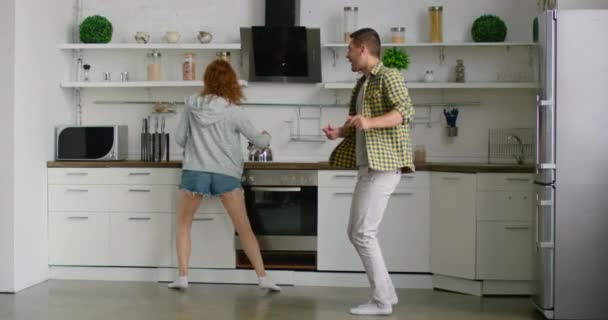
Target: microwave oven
x,y
91,143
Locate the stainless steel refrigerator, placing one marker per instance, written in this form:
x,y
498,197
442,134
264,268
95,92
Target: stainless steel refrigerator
x,y
571,184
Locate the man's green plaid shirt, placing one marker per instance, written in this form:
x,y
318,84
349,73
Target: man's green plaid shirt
x,y
387,148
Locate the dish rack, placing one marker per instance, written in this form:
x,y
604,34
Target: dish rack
x,y
506,144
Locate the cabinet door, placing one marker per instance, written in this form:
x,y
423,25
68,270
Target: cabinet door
x,y
212,242
405,231
334,250
140,239
504,250
453,224
78,239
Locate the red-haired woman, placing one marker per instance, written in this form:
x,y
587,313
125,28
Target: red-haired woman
x,y
210,133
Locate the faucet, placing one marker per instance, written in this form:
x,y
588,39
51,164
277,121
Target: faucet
x,y
521,156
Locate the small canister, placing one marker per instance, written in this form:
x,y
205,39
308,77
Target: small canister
x,y
398,34
154,61
436,24
189,67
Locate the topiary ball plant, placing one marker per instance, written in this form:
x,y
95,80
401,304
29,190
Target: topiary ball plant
x,y
395,58
489,28
96,29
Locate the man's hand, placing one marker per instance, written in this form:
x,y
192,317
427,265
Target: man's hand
x,y
332,133
359,122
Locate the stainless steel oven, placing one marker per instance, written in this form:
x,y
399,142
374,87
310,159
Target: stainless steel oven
x,y
282,208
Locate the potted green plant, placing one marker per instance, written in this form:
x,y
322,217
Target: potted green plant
x,y
489,28
96,29
395,58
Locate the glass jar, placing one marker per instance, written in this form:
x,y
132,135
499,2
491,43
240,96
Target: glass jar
x,y
154,63
460,71
189,67
223,55
420,154
436,24
351,17
398,34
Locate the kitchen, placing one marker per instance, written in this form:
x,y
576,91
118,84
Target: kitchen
x,y
291,113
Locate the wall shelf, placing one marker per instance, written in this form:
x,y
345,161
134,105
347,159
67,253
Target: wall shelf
x,y
443,44
136,84
150,46
444,85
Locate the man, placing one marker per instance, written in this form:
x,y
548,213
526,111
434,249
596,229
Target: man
x,y
376,141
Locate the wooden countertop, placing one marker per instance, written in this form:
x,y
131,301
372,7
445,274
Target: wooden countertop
x,y
432,166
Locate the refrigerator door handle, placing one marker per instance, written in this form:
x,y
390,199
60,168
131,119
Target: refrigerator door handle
x,y
537,130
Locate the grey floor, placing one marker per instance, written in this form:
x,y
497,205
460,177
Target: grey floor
x,y
63,300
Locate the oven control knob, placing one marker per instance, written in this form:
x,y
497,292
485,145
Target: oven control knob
x,y
243,179
251,179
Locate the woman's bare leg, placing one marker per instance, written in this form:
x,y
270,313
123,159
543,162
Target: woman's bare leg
x,y
234,203
186,207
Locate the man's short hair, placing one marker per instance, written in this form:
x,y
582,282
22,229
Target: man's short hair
x,y
368,37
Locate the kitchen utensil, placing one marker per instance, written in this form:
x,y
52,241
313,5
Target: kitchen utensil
x,y
204,36
259,154
156,139
142,145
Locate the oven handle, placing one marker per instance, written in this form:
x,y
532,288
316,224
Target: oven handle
x,y
270,189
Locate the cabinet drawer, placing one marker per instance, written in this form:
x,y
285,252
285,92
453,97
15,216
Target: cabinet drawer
x,y
348,178
211,205
143,198
93,198
212,242
78,239
140,239
504,182
79,176
504,205
504,251
416,180
338,178
146,176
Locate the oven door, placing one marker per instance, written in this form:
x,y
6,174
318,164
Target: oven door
x,y
283,218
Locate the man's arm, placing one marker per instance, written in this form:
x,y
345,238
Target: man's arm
x,y
390,119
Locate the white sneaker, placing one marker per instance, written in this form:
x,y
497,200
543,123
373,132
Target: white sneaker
x,y
372,309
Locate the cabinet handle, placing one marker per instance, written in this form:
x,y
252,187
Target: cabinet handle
x,y
78,218
403,193
77,190
139,219
344,176
139,190
203,219
408,177
77,174
139,173
517,179
343,193
273,189
517,228
451,178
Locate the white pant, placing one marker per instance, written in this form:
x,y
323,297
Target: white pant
x,y
370,199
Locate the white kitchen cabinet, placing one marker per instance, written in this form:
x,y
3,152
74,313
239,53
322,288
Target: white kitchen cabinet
x,y
403,234
481,237
453,224
334,250
504,250
79,238
140,239
212,242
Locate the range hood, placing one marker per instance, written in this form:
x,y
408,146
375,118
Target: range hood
x,y
281,51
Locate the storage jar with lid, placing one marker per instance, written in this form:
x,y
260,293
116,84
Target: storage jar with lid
x,y
189,67
154,64
398,34
436,24
350,22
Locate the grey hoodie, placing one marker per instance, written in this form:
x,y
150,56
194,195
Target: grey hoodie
x,y
210,133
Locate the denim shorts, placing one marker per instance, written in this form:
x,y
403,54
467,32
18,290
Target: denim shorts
x,y
208,183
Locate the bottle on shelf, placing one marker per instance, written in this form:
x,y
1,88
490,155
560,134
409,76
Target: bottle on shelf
x,y
350,22
436,24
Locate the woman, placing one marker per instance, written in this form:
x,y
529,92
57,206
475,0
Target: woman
x,y
213,163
